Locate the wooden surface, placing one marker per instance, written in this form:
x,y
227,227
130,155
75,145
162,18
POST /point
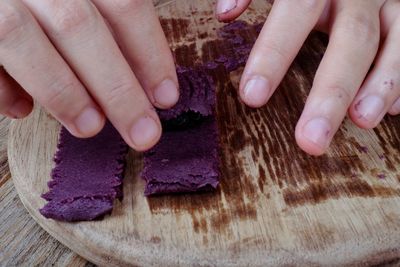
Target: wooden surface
x,y
275,205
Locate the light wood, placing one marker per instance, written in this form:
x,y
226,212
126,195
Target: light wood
x,y
22,241
276,205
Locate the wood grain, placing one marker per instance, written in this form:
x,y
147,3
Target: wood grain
x,y
275,206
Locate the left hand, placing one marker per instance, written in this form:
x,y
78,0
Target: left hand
x,y
361,32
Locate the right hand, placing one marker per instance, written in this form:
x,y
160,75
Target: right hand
x,y
82,69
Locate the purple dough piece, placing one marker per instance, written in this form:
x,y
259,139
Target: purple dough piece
x,y
87,176
231,64
236,25
211,65
221,59
197,94
181,163
237,40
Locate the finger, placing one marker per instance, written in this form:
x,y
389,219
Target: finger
x,y
227,10
395,108
30,59
352,47
145,47
281,38
14,102
382,87
81,35
388,15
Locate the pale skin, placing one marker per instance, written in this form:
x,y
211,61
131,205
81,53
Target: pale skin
x,y
85,61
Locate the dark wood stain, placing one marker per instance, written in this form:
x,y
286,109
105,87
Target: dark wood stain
x,y
175,29
185,55
203,35
269,133
388,133
155,239
317,192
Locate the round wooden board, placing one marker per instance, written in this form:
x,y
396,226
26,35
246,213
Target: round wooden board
x,y
275,206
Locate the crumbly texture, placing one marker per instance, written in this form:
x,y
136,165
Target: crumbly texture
x,y
197,94
183,161
87,177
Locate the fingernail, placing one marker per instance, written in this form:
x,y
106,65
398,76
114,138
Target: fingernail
x,y
166,94
370,107
224,6
396,107
20,108
317,131
89,121
256,91
145,132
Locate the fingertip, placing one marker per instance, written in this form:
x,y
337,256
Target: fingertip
x,y
368,112
88,123
228,10
166,94
145,132
358,120
395,108
314,136
256,92
308,147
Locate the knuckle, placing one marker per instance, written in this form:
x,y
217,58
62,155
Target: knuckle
x,y
341,93
11,20
70,16
363,27
274,51
310,5
126,6
59,94
119,91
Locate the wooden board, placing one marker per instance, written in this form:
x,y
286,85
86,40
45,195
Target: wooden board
x,y
275,205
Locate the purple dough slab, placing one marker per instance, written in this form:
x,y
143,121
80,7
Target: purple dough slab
x,y
238,49
197,94
87,176
186,159
183,161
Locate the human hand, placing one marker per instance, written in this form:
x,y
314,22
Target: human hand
x,y
81,69
361,33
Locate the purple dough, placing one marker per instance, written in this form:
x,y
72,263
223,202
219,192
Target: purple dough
x,y
183,161
236,54
197,94
186,158
87,177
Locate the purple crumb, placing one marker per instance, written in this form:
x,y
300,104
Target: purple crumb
x,y
363,149
211,65
87,176
221,59
237,40
381,176
236,25
382,157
